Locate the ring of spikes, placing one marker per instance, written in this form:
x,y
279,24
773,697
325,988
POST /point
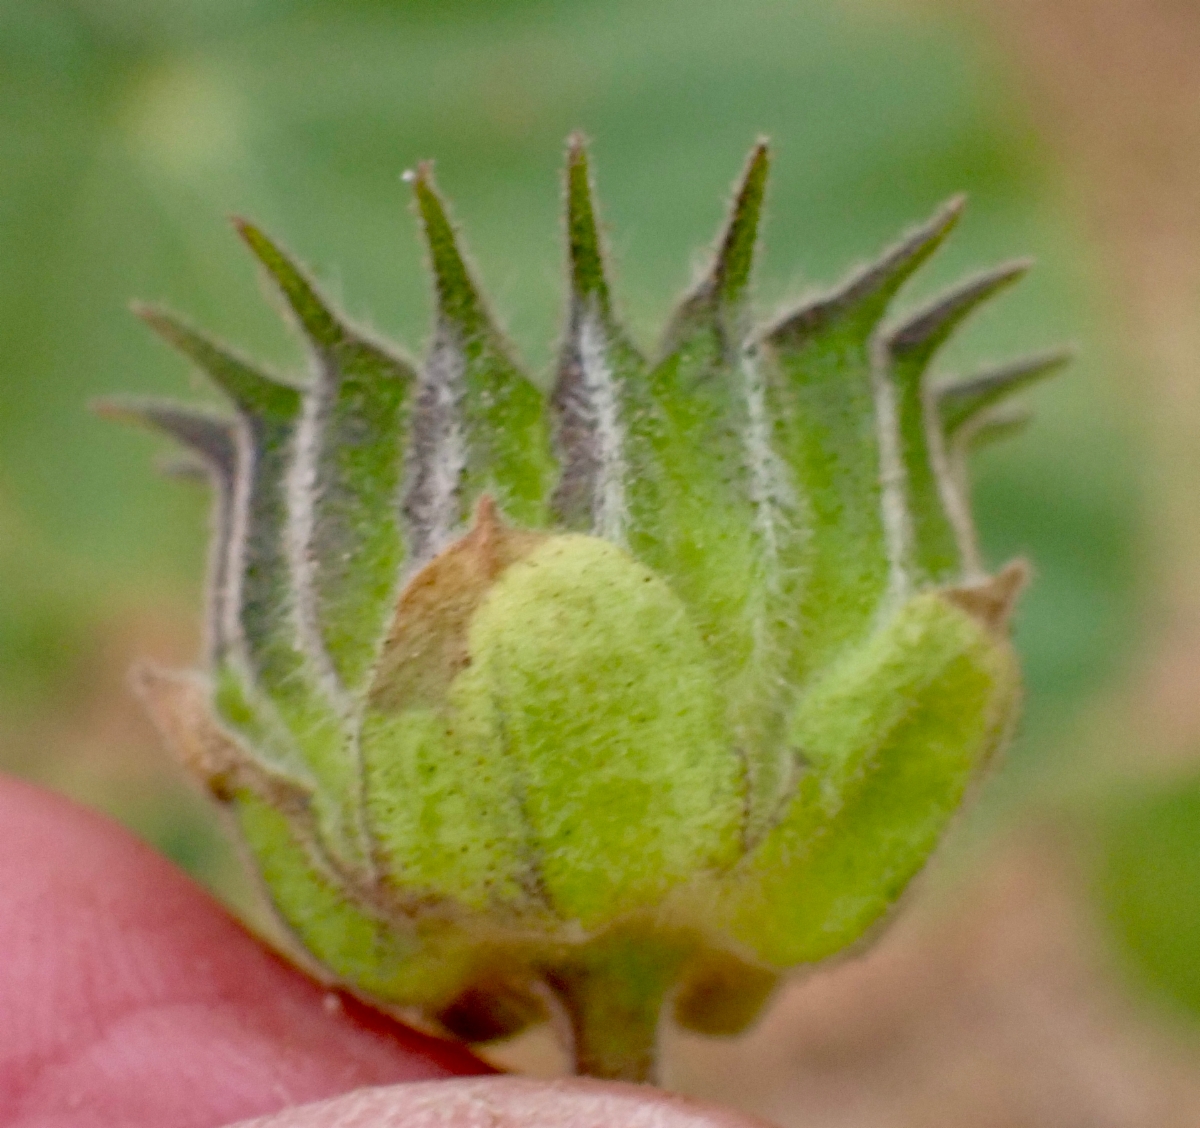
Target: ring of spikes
x,y
627,697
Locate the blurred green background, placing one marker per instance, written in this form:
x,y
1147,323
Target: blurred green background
x,y
131,129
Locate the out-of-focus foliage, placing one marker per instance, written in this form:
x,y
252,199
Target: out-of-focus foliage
x,y
129,130
1150,891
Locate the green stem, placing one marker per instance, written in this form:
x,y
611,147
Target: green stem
x,y
613,993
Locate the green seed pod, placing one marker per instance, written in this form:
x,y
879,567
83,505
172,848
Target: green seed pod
x,y
573,706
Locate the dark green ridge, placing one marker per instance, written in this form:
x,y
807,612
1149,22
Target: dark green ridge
x,y
961,401
361,395
935,548
357,544
265,611
319,323
821,362
271,410
251,390
698,464
300,719
589,281
690,498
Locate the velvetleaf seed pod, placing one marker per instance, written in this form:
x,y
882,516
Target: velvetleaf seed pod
x,y
639,693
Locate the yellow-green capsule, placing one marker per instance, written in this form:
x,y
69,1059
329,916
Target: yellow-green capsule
x,y
595,705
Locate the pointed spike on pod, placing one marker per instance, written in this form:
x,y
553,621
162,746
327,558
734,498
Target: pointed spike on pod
x,y
318,321
589,280
458,296
693,449
730,272
184,469
486,532
868,292
994,427
992,600
480,423
251,580
250,389
349,545
916,340
207,435
962,401
716,301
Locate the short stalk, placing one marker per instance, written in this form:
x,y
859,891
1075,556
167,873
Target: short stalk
x,y
613,995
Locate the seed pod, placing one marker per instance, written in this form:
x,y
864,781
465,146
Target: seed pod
x,y
650,689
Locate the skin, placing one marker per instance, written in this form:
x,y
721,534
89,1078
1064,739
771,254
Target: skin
x,y
129,997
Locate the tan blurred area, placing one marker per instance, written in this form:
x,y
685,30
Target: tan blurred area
x,y
1114,86
993,1007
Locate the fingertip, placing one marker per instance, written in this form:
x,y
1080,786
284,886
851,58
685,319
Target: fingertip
x,y
508,1102
128,992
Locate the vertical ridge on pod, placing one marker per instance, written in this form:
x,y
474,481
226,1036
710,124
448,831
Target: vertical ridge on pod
x,y
479,423
347,543
259,602
705,510
835,429
688,416
596,364
263,656
938,532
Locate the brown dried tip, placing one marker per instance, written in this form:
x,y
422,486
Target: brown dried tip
x,y
992,600
178,704
487,533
